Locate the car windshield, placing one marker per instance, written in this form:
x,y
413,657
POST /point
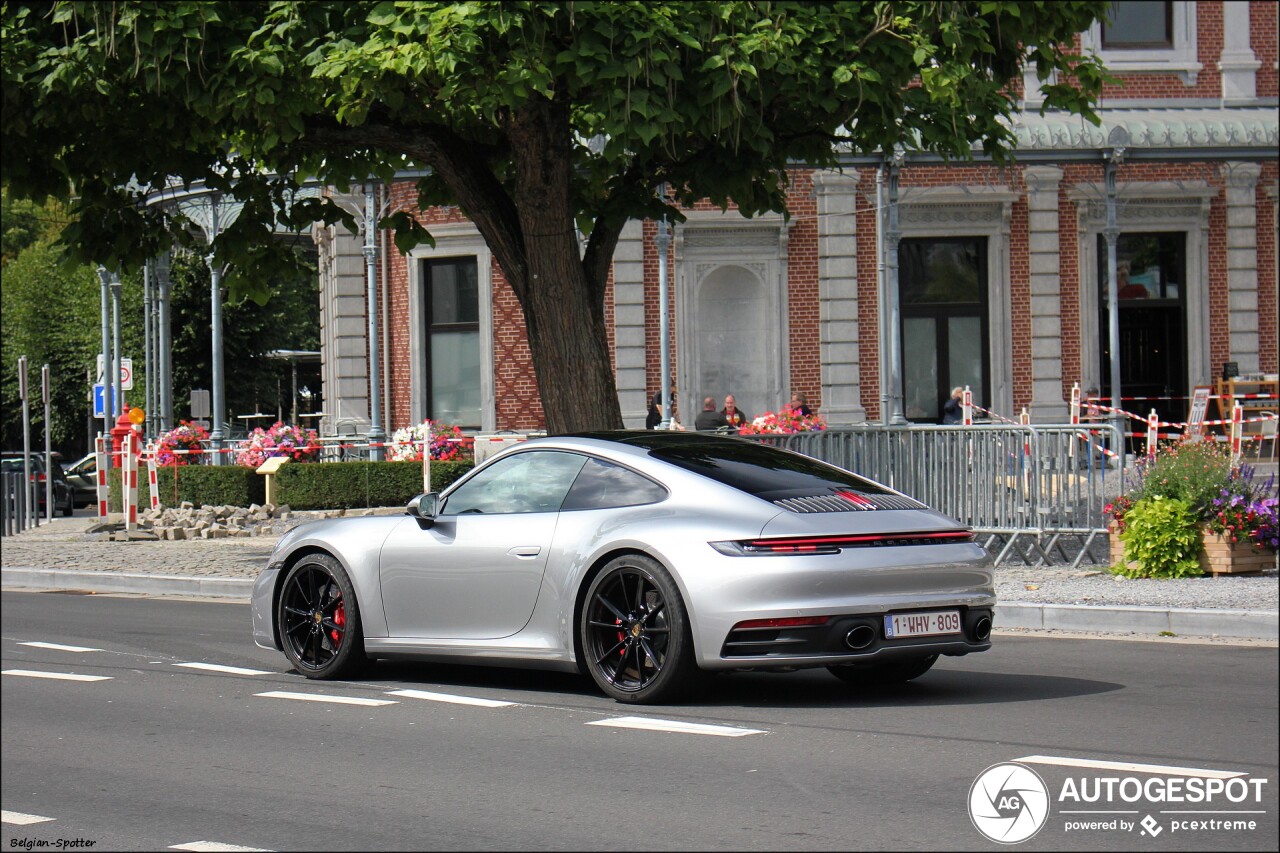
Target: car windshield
x,y
763,471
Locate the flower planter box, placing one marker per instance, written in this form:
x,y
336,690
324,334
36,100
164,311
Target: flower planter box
x,y
1220,557
1114,545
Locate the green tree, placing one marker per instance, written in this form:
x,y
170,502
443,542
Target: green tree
x,y
546,122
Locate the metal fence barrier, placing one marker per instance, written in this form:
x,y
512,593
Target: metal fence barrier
x,y
15,514
1036,493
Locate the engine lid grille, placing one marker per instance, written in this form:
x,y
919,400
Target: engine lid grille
x,y
847,502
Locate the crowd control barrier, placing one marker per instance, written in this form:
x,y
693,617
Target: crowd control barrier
x,y
1035,493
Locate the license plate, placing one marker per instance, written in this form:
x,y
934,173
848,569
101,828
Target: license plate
x,y
921,624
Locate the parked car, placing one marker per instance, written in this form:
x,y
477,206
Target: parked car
x,y
62,499
641,558
83,477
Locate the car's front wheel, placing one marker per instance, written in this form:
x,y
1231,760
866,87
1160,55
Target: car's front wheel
x,y
319,619
635,634
870,675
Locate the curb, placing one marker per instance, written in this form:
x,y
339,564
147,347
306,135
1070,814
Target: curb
x,y
1249,624
238,589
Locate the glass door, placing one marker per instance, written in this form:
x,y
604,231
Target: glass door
x,y
943,295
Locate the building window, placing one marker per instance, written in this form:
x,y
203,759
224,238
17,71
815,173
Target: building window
x,y
452,324
943,295
1147,36
1138,24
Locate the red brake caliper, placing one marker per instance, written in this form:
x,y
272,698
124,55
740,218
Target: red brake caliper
x,y
339,619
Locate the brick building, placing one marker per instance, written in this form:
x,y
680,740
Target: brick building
x,y
1002,274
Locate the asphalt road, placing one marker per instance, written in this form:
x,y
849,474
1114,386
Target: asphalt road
x,y
161,754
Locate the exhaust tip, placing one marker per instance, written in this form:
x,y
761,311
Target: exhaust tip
x,y
860,637
982,629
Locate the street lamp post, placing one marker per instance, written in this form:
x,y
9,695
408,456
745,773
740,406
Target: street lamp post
x,y
107,416
376,434
164,367
117,391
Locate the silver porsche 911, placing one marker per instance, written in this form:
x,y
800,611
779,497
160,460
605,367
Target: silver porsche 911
x,y
642,558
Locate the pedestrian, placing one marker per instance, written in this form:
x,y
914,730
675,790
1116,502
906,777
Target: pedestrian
x,y
709,419
654,417
953,409
734,416
799,405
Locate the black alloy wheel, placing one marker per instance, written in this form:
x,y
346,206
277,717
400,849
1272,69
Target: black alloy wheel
x,y
635,634
319,620
870,675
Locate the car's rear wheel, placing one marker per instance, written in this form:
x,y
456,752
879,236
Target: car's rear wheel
x,y
870,675
319,619
634,632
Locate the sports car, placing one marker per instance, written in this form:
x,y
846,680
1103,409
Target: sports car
x,y
643,558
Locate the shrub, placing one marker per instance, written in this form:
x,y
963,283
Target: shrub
x,y
354,485
1161,539
231,485
1195,472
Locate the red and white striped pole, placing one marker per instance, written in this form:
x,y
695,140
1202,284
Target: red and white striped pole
x,y
1237,429
1153,434
426,459
130,482
1024,418
1074,418
966,399
153,481
100,463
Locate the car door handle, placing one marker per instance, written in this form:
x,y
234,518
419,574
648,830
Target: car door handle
x,y
525,552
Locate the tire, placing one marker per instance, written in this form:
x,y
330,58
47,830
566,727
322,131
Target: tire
x,y
871,675
318,618
69,510
634,632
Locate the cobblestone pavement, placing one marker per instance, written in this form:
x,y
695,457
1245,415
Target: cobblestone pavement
x,y
64,544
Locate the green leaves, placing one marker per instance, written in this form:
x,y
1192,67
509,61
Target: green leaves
x,y
1161,539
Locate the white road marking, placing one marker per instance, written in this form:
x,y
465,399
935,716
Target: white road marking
x,y
21,819
448,697
62,676
217,845
1127,767
217,667
59,647
676,726
320,697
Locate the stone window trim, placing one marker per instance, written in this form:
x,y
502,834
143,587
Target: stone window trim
x,y
974,211
1181,59
451,241
1146,207
708,241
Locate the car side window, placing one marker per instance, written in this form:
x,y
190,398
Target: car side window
x,y
602,485
531,481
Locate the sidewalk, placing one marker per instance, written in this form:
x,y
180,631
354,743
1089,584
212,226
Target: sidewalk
x,y
60,556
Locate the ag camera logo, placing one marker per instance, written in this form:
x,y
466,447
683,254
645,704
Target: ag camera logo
x,y
1008,803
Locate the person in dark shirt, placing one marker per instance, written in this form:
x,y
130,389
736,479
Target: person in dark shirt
x,y
799,404
709,419
953,409
654,418
734,416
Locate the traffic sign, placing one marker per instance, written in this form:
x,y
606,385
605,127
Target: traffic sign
x,y
126,373
99,398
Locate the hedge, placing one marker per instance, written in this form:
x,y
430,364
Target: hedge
x,y
352,485
233,485
327,485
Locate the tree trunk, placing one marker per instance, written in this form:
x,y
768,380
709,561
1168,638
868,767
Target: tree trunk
x,y
563,306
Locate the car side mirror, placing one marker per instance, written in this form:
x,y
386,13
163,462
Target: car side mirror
x,y
424,508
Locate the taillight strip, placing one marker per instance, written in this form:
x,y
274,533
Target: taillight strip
x,y
792,543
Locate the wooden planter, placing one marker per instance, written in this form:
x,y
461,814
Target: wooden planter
x,y
1220,557
1116,547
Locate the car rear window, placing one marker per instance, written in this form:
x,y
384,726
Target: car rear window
x,y
763,471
